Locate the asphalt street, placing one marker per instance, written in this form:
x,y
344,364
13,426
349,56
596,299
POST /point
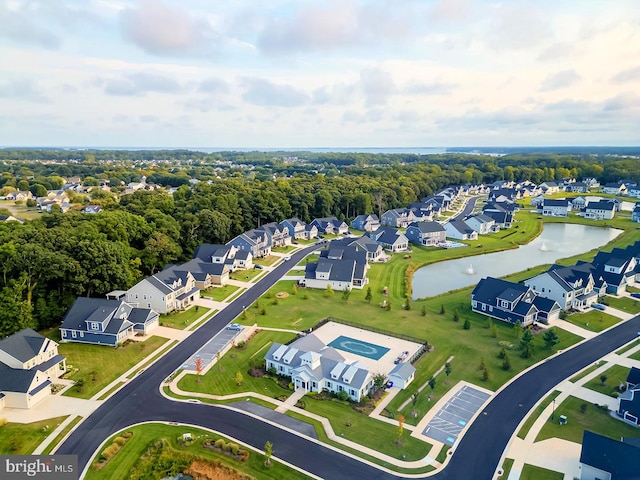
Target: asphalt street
x,y
475,457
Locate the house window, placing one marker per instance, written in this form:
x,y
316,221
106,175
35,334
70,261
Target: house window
x,y
484,307
144,296
73,333
81,334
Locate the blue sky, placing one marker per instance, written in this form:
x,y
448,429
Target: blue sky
x,y
330,73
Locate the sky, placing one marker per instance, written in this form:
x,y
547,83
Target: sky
x,y
325,73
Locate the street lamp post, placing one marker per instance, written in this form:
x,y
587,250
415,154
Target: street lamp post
x,y
553,412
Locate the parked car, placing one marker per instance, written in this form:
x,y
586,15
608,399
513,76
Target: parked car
x,y
234,326
635,294
287,258
598,306
258,267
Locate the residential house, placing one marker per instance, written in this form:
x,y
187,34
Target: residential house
x,y
397,218
341,266
298,229
165,291
205,274
257,242
512,302
618,268
92,209
278,235
629,400
315,367
591,182
580,187
426,233
615,188
10,218
555,207
578,203
28,363
459,230
366,223
635,214
102,321
571,287
549,187
19,195
72,180
402,374
440,203
602,210
537,201
390,239
330,225
374,250
481,223
504,194
605,458
633,191
228,255
422,212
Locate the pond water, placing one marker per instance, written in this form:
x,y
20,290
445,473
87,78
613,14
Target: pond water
x,y
557,240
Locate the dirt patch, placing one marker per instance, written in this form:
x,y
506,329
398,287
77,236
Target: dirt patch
x,y
201,470
257,372
282,295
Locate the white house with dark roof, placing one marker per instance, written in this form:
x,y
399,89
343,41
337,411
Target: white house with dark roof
x,y
390,239
298,229
330,225
256,241
615,188
101,321
28,364
481,223
278,235
165,291
603,458
635,214
600,210
402,374
341,266
426,233
224,254
374,250
397,218
569,286
459,230
550,187
555,207
512,302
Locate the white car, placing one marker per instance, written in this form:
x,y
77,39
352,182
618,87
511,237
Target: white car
x,y
287,258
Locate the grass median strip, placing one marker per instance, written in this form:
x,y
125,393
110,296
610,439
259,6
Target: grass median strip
x,y
61,435
535,414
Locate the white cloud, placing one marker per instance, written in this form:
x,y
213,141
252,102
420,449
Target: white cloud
x,y
139,84
259,91
563,79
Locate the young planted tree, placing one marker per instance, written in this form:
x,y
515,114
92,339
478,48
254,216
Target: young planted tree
x,y
400,419
294,291
198,369
550,338
328,291
467,324
423,312
526,346
268,451
447,368
369,296
456,316
239,378
442,310
603,379
432,383
517,330
485,374
506,363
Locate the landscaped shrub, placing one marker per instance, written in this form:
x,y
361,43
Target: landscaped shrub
x,y
220,443
110,451
234,448
120,440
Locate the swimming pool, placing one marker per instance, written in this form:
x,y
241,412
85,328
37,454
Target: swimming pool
x,y
358,347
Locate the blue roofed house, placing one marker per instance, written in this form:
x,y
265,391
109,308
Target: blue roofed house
x,y
314,367
618,268
205,274
512,302
330,225
569,286
278,235
390,239
366,223
256,241
397,218
629,400
374,250
341,266
227,255
28,363
298,230
555,207
635,214
165,291
459,230
603,458
600,210
426,233
615,188
103,321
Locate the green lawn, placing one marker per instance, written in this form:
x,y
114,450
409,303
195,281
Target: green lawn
x,y
506,468
533,415
628,347
626,304
594,320
593,419
182,320
635,356
246,275
219,293
100,365
144,435
615,375
531,472
285,249
61,435
587,371
23,438
21,211
220,379
267,261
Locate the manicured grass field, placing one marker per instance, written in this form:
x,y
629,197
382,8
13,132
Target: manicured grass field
x,y
359,428
531,472
220,379
61,435
506,468
533,415
182,320
626,304
23,438
593,419
587,371
635,356
144,435
628,347
219,293
268,260
615,375
21,211
246,275
594,320
99,365
285,249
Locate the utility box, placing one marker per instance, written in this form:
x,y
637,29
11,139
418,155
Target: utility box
x,y
563,420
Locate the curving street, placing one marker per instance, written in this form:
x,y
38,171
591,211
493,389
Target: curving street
x,y
476,456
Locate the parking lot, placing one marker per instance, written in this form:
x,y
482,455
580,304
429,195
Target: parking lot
x,y
447,424
209,350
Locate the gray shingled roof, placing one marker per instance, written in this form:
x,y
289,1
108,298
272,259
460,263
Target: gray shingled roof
x,y
23,345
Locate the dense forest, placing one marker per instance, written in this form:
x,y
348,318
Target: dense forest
x,y
49,261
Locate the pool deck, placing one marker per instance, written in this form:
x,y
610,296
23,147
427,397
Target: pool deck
x,y
330,331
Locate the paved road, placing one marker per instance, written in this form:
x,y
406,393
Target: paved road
x,y
468,208
476,456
